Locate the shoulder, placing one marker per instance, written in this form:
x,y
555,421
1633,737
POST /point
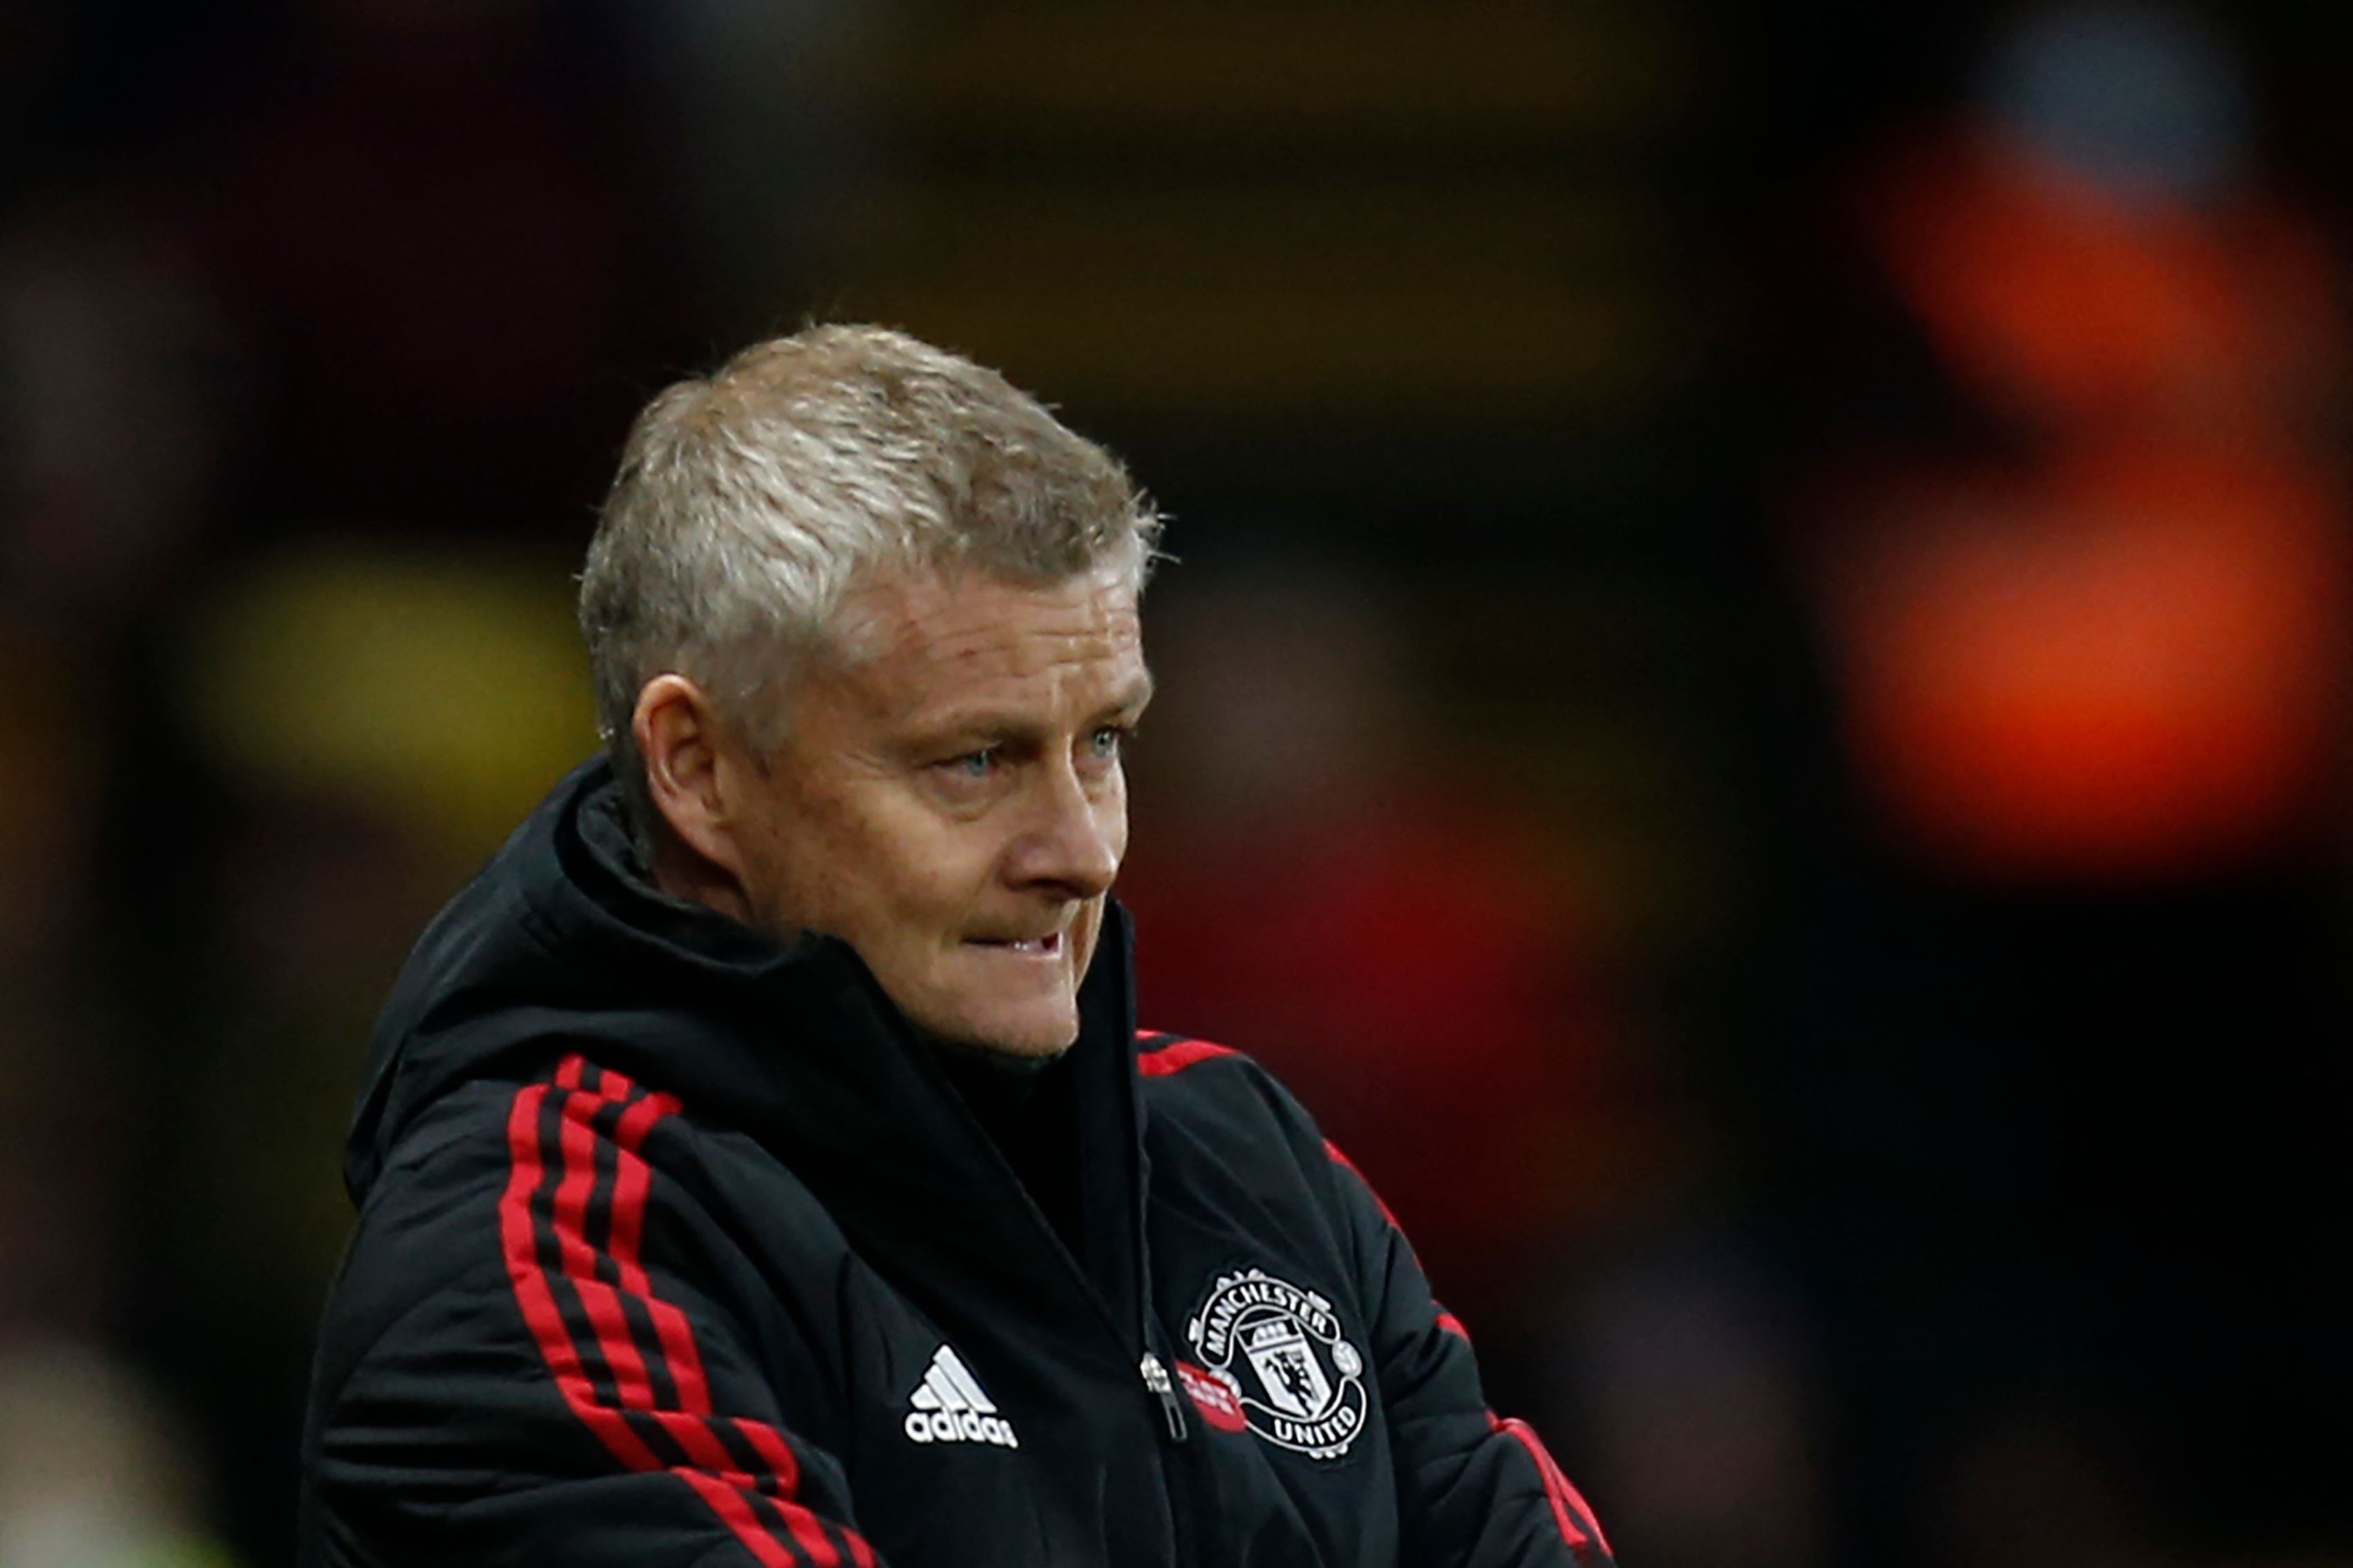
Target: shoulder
x,y
508,1195
1193,1079
1162,1054
499,1140
1211,1105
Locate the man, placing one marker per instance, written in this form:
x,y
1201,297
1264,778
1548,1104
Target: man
x,y
760,1163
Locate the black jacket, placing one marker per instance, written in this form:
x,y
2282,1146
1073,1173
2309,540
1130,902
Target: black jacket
x,y
679,1248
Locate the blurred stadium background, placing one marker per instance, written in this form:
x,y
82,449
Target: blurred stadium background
x,y
1756,692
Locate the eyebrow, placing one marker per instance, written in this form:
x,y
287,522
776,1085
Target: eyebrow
x,y
999,726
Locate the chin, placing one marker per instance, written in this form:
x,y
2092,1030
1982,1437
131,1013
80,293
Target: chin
x,y
1017,1032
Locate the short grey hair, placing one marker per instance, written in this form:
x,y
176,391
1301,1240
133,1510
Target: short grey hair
x,y
752,501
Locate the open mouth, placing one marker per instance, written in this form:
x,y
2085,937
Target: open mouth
x,y
1047,946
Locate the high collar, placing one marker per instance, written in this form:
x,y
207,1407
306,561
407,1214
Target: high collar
x,y
559,944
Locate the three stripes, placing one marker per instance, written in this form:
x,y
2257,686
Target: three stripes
x,y
626,1361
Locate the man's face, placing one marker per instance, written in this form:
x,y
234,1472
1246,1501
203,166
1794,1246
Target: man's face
x,y
949,797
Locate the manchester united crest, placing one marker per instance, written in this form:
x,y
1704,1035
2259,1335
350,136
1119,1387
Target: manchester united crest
x,y
1282,1351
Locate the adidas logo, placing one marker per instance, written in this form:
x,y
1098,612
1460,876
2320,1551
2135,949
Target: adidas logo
x,y
949,1407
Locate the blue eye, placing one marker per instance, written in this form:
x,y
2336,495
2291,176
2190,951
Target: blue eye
x,y
973,764
1107,741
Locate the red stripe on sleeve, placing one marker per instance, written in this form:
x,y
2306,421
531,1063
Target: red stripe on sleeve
x,y
1453,1325
633,1180
714,1475
733,1506
521,1245
1570,1510
1349,1165
1175,1058
579,1259
633,1383
774,1451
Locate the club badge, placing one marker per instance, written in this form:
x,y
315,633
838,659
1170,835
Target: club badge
x,y
1281,1351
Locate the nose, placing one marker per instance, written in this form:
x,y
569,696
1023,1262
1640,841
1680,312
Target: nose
x,y
1074,843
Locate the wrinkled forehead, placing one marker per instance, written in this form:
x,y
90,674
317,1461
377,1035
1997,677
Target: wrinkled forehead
x,y
899,611
922,636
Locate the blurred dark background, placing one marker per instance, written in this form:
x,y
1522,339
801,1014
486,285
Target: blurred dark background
x,y
1756,687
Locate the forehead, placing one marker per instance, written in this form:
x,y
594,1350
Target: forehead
x,y
913,642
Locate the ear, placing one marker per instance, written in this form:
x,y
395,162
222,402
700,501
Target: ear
x,y
680,740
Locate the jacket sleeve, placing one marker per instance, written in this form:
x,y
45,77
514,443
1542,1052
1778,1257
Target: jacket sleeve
x,y
532,1357
1475,1489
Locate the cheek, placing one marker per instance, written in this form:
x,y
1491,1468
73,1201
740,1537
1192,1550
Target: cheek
x,y
817,860
912,868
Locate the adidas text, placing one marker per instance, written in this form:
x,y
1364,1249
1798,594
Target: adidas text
x,y
939,1426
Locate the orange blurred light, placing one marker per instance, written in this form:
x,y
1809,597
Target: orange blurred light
x,y
2126,666
2048,297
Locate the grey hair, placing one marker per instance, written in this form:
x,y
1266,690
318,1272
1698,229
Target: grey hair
x,y
751,502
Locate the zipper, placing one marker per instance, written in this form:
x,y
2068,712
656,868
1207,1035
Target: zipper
x,y
1156,1379
1189,1525
1184,1499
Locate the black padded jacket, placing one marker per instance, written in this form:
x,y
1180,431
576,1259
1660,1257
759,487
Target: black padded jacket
x,y
678,1248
